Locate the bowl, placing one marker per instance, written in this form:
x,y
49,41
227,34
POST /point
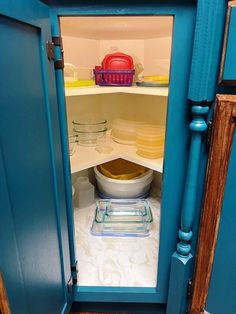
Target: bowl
x,y
89,138
123,188
89,125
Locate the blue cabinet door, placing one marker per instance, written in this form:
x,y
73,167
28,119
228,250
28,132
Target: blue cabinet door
x,y
34,258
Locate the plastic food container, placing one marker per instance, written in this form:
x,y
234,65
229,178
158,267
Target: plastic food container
x,y
122,218
84,192
121,169
150,141
133,188
117,70
124,131
117,61
77,76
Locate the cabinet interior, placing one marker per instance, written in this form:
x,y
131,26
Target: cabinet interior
x,y
124,262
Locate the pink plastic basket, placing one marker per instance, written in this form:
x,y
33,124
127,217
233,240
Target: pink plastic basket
x,y
113,77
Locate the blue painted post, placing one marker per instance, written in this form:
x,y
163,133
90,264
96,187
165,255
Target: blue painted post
x,y
55,28
181,263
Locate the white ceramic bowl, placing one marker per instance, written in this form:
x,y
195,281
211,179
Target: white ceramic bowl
x,y
123,188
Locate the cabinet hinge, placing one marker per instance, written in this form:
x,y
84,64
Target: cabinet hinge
x,y
50,50
74,267
209,132
50,46
190,288
74,272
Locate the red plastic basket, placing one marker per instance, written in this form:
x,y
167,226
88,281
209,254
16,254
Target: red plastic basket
x,y
113,77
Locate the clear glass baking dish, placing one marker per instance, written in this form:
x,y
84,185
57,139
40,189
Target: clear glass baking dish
x,y
120,230
122,218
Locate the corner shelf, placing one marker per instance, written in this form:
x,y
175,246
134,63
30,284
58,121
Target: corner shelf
x,y
95,90
87,157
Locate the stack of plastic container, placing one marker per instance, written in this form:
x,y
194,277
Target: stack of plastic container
x,y
84,192
124,131
150,141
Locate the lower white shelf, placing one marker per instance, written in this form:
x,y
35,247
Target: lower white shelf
x,y
118,262
87,157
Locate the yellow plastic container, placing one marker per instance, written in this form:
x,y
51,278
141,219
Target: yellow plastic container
x,y
80,83
121,169
150,141
157,79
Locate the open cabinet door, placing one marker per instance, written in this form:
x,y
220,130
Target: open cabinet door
x,y
34,246
219,156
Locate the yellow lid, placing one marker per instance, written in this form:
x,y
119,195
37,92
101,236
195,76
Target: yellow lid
x,y
121,169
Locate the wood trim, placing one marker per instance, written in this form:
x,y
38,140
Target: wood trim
x,y
4,306
222,63
222,137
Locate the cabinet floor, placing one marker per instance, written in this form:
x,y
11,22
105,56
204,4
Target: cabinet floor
x,y
112,261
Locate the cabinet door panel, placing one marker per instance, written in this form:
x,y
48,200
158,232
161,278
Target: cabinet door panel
x,y
32,163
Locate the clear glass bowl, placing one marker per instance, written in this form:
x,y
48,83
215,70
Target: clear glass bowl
x,y
73,139
89,138
90,126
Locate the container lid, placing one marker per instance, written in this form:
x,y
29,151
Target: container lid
x,y
121,169
117,61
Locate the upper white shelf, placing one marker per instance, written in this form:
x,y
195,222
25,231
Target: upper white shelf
x,y
87,157
94,90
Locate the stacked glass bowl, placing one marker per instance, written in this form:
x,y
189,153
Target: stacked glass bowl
x,y
88,132
122,218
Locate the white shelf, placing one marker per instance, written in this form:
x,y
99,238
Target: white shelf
x,y
95,90
87,157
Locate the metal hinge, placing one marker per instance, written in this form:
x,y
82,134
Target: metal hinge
x,y
74,272
209,132
50,46
74,267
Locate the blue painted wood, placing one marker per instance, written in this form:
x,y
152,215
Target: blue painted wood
x,y
181,266
176,151
229,72
181,270
116,294
10,261
197,127
31,168
64,140
221,295
207,49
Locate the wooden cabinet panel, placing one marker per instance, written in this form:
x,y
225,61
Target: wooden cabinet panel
x,y
228,63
